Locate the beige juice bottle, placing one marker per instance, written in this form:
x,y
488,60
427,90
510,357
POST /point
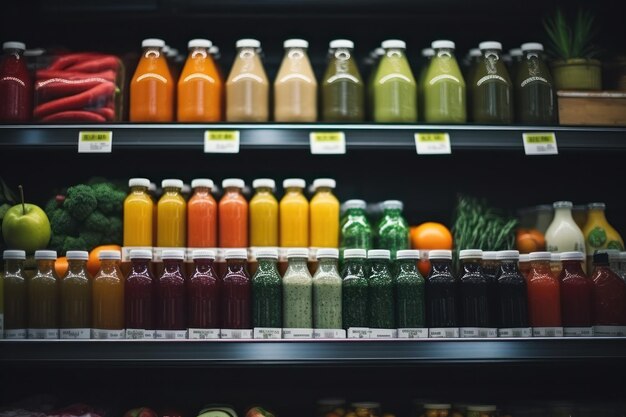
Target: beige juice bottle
x,y
247,87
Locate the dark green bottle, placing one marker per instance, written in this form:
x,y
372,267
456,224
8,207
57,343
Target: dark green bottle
x,y
409,291
356,231
355,289
534,92
380,290
492,90
393,229
267,292
343,91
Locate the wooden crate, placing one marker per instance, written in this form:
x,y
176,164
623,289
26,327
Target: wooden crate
x,y
592,108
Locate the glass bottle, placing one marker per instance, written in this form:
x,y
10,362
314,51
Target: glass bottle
x,y
475,58
380,286
512,295
492,90
427,56
544,294
297,291
267,291
172,216
354,292
356,231
140,296
599,234
43,298
16,84
76,297
564,235
474,291
444,87
15,295
108,297
294,215
202,215
441,291
342,88
138,213
263,210
204,292
327,285
171,314
236,297
576,291
324,215
609,293
233,215
247,86
295,87
409,289
393,229
534,88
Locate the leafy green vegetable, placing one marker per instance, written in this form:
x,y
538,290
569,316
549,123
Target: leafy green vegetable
x,y
569,40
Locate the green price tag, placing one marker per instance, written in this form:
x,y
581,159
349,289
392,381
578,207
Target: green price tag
x,y
540,143
95,141
221,141
327,143
433,143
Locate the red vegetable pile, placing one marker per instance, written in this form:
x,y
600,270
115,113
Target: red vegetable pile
x,y
77,87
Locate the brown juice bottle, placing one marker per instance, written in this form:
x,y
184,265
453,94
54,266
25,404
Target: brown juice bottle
x,y
295,88
247,87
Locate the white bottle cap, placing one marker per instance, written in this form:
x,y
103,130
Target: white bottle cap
x,y
172,183
355,204
428,52
563,204
264,183
483,46
440,254
540,256
46,255
140,254
524,257
14,45
153,43
139,182
482,408
295,43
173,254
573,256
324,183
531,46
214,50
596,206
297,253
327,253
357,253
490,255
378,52
294,183
470,253
203,254
77,255
14,254
408,254
248,43
442,44
110,255
233,182
341,43
393,44
508,255
515,52
555,257
236,254
199,43
437,406
378,254
267,253
392,205
475,52
202,182
622,256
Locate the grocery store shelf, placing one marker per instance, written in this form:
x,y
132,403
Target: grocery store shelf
x,y
296,136
311,353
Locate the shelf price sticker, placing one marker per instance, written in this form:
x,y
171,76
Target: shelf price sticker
x,y
95,142
327,143
433,143
221,141
412,333
540,143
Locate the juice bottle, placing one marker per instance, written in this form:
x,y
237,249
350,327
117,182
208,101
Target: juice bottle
x,y
599,234
490,267
544,293
343,95
233,215
380,286
609,294
16,84
138,213
473,290
172,216
204,290
140,296
201,215
171,293
492,90
444,87
267,291
236,297
395,89
427,56
199,86
354,292
297,291
475,60
324,208
375,56
534,88
247,87
152,86
263,214
43,298
564,235
108,297
327,285
294,215
356,231
15,295
441,287
76,297
295,87
410,299
393,230
576,291
511,293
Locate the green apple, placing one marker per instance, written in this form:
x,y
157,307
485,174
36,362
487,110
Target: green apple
x,y
26,227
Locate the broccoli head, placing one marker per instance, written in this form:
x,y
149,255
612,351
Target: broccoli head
x,y
73,243
110,200
56,242
91,238
61,223
80,201
51,206
96,222
115,233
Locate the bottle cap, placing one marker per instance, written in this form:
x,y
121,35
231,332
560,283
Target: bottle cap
x,y
140,254
153,43
563,204
233,182
470,253
515,52
236,254
297,253
46,255
555,257
408,254
393,44
202,182
442,44
341,43
172,183
14,45
613,254
139,182
248,43
490,256
264,183
267,253
203,254
524,257
327,253
178,254
295,43
358,253
483,46
428,52
392,205
540,256
440,254
214,50
482,408
14,254
77,255
531,46
507,255
172,53
600,258
199,43
294,183
355,204
475,52
110,255
437,406
572,256
596,206
378,52
324,182
378,254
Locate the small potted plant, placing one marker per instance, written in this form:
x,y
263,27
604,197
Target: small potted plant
x,y
571,45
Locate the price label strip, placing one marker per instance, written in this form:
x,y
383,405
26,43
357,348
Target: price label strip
x,y
515,332
221,141
203,334
95,142
268,333
83,333
481,332
358,333
383,333
578,331
540,143
327,143
139,334
171,334
236,334
329,334
547,332
433,144
443,332
413,333
294,333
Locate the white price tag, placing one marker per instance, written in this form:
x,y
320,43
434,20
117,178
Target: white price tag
x,y
43,333
107,334
203,334
236,334
578,331
171,334
609,331
516,332
433,143
383,333
329,334
126,251
15,334
268,333
413,333
327,143
221,141
297,333
547,332
443,332
75,333
478,332
540,143
140,334
358,332
95,142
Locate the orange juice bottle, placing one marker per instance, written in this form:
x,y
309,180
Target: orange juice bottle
x,y
263,214
138,211
152,87
294,215
200,86
108,297
171,216
233,215
324,215
201,216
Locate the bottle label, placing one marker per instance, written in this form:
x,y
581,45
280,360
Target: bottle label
x,y
139,334
297,333
358,332
171,334
540,143
483,332
578,331
433,143
83,333
126,251
268,333
235,333
202,334
43,333
413,333
383,333
533,80
547,332
443,332
609,331
516,332
15,334
107,334
329,334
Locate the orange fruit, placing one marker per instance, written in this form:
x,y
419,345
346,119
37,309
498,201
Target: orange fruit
x,y
60,266
93,264
423,265
530,240
431,235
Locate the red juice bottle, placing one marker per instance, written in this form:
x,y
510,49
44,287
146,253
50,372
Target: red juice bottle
x,y
204,292
544,294
236,303
16,84
576,291
140,294
609,294
171,289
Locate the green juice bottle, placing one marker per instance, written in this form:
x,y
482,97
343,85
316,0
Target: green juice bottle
x,y
444,87
375,57
534,89
393,229
356,231
475,57
427,56
343,91
492,90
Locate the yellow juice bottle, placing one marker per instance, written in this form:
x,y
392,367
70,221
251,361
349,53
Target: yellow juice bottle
x,y
599,234
324,210
294,215
172,216
138,211
263,211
